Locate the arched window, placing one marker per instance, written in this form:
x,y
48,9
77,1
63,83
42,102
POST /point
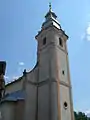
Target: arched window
x,y
60,42
44,41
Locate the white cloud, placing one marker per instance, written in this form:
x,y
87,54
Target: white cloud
x,y
88,29
6,77
87,113
21,63
86,35
15,77
88,32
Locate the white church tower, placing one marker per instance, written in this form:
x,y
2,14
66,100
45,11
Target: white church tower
x,y
48,94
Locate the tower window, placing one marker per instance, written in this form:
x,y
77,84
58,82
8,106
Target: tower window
x,y
63,72
44,41
65,105
60,42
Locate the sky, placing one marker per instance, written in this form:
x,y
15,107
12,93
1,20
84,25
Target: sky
x,y
20,21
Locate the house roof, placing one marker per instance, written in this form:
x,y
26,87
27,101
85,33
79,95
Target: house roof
x,y
15,96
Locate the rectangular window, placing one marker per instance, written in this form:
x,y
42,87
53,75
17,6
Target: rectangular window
x,y
63,72
60,42
44,41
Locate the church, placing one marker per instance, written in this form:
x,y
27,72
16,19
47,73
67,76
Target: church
x,y
44,93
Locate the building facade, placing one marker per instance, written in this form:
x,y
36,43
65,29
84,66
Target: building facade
x,y
44,93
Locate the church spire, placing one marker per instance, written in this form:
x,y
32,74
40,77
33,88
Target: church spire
x,y
50,19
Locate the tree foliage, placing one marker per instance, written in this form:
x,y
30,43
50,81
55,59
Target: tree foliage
x,y
80,116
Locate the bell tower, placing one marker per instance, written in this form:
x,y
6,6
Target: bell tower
x,y
54,100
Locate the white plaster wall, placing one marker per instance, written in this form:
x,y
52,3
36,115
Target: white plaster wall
x,y
52,55
54,99
30,102
53,63
61,56
43,102
52,35
19,110
14,86
44,66
7,111
31,95
32,76
65,96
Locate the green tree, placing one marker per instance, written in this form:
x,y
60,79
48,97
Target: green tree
x,y
80,116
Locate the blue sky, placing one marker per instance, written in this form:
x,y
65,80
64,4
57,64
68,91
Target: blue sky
x,y
20,21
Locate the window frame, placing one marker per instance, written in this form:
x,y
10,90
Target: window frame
x,y
60,42
44,40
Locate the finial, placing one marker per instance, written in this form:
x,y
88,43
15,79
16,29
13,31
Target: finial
x,y
50,6
24,72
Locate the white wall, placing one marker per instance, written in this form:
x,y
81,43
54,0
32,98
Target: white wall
x,y
14,86
65,96
7,110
